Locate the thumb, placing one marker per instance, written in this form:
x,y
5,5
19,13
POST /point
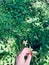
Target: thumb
x,y
28,59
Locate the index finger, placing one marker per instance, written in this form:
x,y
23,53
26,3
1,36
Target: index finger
x,y
24,52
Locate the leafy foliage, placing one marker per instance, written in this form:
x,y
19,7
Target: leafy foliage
x,y
22,20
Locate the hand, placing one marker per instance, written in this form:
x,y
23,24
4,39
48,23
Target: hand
x,y
20,58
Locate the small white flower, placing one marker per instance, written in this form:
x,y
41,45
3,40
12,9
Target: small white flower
x,y
25,42
30,48
34,52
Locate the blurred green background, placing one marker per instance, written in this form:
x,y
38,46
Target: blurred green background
x,y
22,20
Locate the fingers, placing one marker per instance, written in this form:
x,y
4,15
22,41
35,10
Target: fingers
x,y
28,53
24,52
20,57
28,59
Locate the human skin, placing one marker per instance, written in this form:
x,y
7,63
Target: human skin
x,y
20,58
